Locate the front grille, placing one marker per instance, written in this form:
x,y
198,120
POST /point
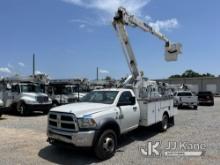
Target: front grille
x,y
66,118
42,99
62,122
52,123
68,126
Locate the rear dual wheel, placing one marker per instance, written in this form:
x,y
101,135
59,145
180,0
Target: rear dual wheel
x,y
164,123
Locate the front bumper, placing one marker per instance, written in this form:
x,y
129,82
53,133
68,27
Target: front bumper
x,y
78,139
40,107
189,104
1,111
206,101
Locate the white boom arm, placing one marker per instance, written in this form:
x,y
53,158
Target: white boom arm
x,y
123,18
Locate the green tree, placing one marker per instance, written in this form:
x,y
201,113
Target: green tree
x,y
108,78
190,73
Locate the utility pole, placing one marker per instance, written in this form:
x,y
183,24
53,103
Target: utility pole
x,y
33,65
97,73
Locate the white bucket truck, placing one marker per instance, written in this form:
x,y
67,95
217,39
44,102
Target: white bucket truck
x,y
103,115
24,97
64,92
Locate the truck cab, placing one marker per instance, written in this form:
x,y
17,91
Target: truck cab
x,y
63,93
25,97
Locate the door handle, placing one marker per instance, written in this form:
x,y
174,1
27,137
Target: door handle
x,y
135,108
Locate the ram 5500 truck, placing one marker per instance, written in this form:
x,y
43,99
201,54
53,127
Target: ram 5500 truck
x,y
103,115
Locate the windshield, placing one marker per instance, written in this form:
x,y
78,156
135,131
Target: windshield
x,y
184,94
30,88
67,90
105,97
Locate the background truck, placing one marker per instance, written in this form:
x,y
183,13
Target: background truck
x,y
64,93
185,99
206,98
25,97
103,115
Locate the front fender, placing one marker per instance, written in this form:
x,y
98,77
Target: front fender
x,y
26,100
104,124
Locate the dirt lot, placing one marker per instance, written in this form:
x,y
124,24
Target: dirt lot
x,y
23,141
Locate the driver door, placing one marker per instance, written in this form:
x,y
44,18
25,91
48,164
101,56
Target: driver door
x,y
129,113
15,92
10,95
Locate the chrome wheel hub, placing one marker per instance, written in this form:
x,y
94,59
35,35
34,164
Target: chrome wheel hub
x,y
108,144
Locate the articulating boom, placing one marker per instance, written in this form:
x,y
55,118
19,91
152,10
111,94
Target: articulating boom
x,y
123,18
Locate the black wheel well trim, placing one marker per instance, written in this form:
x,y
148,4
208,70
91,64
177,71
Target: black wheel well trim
x,y
55,101
21,102
108,123
166,113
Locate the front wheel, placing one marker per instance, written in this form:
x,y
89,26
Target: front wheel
x,y
195,107
45,112
22,109
106,145
55,104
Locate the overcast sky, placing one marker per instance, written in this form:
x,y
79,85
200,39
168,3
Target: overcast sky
x,y
72,37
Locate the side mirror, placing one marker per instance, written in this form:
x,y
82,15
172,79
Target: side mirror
x,y
131,101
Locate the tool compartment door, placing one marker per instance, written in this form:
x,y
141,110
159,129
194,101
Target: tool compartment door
x,y
165,106
148,113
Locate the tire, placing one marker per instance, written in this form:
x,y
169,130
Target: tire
x,y
22,109
45,112
172,121
195,107
164,123
1,112
106,145
55,104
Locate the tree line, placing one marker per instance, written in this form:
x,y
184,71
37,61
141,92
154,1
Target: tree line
x,y
190,73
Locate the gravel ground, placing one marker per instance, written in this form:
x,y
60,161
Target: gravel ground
x,y
23,141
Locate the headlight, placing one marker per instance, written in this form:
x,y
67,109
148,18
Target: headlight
x,y
86,123
49,99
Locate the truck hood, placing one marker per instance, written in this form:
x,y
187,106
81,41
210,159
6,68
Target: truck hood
x,y
82,109
33,94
